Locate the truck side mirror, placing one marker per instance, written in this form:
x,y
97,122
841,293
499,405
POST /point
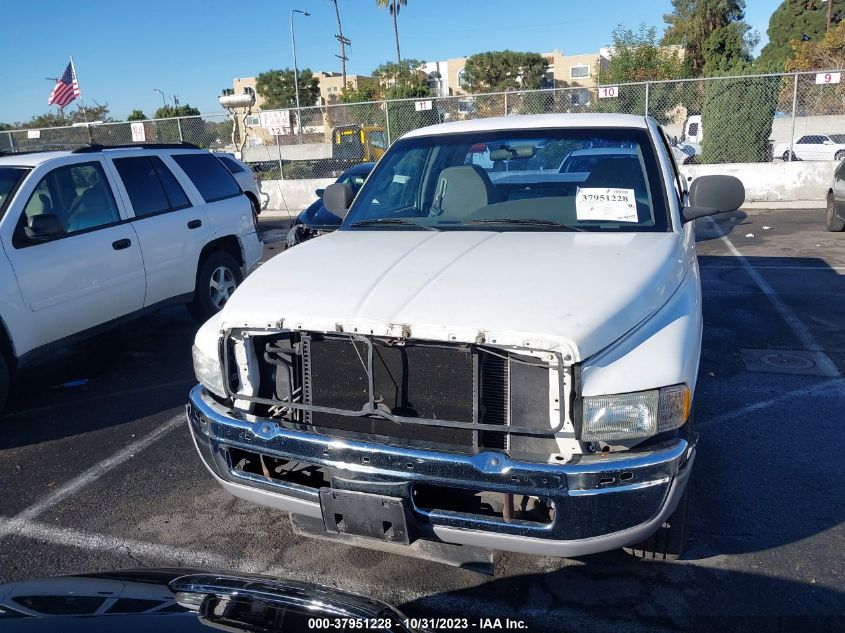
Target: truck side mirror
x,y
43,226
319,192
709,195
337,199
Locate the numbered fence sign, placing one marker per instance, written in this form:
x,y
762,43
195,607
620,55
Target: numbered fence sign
x,y
608,92
138,135
425,104
828,78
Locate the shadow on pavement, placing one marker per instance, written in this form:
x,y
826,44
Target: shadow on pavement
x,y
139,369
726,222
614,593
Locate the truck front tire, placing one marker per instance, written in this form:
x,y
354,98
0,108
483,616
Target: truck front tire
x,y
4,382
670,540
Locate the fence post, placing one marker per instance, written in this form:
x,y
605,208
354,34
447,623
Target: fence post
x,y
179,125
794,106
647,84
11,141
506,104
386,120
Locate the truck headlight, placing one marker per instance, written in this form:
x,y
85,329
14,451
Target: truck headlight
x,y
636,415
209,372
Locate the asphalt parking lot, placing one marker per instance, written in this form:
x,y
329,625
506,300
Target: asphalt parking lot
x,y
107,477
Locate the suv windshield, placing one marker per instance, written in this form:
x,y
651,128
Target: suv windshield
x,y
516,180
9,178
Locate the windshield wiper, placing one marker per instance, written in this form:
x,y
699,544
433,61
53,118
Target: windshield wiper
x,y
394,221
527,222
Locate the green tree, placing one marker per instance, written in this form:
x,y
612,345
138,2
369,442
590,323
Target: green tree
x,y
366,92
403,73
136,115
637,57
496,71
792,20
168,111
276,87
737,118
713,33
394,6
403,115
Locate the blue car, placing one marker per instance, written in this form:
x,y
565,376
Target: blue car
x,y
316,220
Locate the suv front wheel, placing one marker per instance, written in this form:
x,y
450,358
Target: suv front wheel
x,y
219,274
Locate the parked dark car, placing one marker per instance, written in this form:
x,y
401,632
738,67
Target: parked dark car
x,y
186,600
316,220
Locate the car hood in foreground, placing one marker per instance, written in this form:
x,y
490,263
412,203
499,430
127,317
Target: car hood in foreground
x,y
178,600
575,293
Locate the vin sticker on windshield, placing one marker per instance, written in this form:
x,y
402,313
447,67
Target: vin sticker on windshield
x,y
610,205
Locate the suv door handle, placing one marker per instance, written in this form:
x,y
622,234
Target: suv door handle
x,y
119,245
194,224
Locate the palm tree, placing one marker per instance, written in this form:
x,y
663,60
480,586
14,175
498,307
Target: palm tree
x,y
394,6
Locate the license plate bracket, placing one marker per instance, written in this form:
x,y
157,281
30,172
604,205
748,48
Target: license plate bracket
x,y
364,514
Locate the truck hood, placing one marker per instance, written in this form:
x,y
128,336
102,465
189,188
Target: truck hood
x,y
575,293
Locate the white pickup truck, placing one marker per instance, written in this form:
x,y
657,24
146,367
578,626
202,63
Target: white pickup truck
x,y
483,357
92,237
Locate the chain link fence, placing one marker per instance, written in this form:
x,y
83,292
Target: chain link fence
x,y
757,118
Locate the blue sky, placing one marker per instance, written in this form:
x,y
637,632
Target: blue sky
x,y
195,48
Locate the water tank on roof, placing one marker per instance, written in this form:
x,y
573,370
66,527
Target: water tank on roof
x,y
245,100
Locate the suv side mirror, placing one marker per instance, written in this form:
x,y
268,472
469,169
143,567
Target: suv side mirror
x,y
43,227
337,198
709,195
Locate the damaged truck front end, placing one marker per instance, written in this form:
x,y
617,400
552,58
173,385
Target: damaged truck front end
x,y
445,450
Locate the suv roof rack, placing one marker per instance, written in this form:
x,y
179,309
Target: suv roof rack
x,y
94,147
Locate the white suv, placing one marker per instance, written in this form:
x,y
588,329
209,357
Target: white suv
x,y
99,234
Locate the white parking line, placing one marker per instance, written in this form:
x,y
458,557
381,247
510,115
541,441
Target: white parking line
x,y
808,341
89,476
835,386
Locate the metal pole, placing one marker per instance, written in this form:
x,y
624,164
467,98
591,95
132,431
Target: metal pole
x,y
11,141
794,105
179,125
386,120
646,97
279,147
296,72
163,100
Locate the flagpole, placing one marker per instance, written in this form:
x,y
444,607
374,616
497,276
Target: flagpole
x,y
76,79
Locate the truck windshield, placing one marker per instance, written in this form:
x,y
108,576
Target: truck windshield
x,y
9,179
516,180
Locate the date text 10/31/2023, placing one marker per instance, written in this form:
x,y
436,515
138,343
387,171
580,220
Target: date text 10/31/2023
x,y
434,624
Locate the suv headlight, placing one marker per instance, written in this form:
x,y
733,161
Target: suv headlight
x,y
638,415
209,372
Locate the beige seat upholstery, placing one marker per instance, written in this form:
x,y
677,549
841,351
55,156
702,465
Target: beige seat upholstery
x,y
463,190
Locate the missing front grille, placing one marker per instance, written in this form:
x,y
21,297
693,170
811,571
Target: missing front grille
x,y
279,469
494,505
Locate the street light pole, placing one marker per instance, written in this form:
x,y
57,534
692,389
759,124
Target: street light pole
x,y
296,72
163,100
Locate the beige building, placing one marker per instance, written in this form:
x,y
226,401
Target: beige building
x,y
446,78
331,85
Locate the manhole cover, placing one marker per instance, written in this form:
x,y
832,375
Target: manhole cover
x,y
788,361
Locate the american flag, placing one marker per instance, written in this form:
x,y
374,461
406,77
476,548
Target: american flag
x,y
66,88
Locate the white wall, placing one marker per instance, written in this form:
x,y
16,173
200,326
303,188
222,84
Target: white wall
x,y
799,181
293,195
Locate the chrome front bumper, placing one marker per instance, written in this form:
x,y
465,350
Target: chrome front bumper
x,y
602,501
